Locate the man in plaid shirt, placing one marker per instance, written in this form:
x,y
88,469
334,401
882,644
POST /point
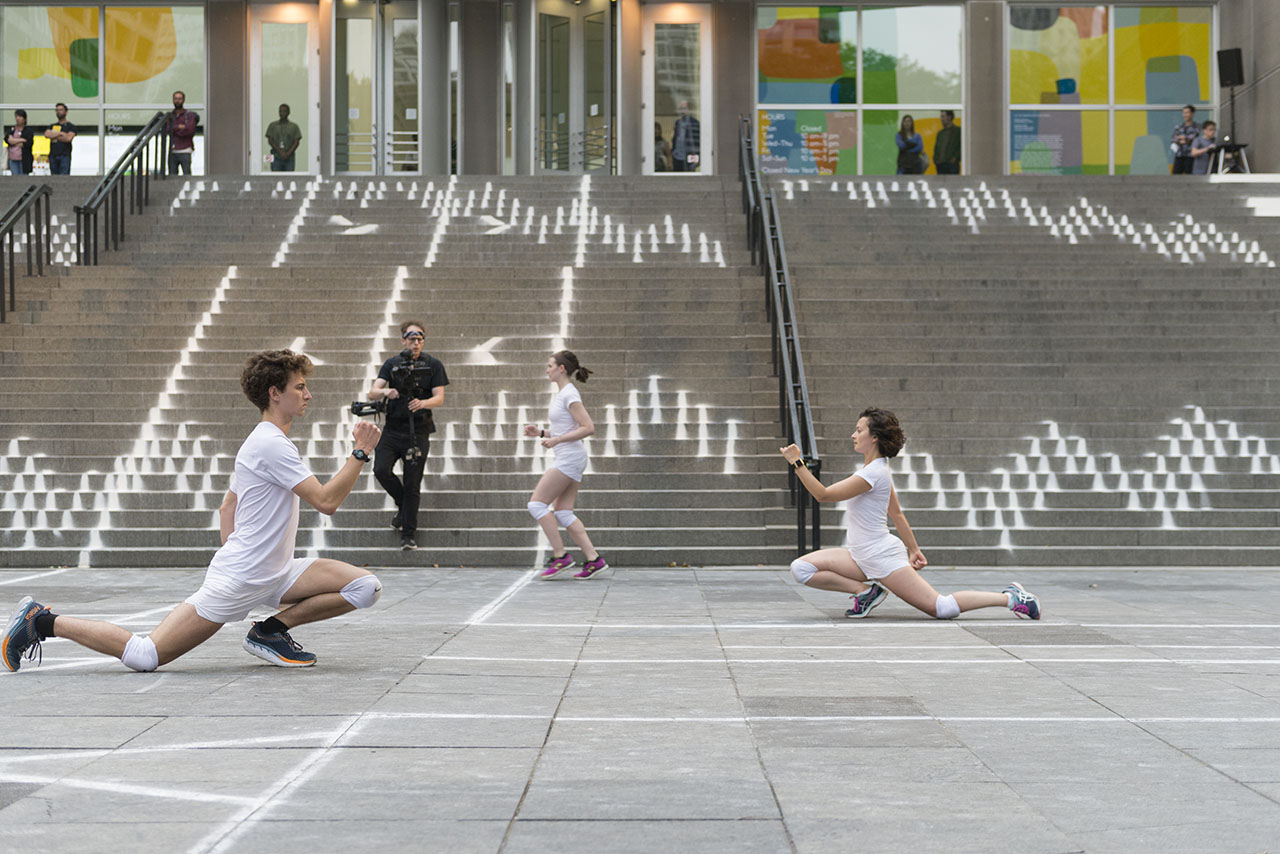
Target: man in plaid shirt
x,y
1183,135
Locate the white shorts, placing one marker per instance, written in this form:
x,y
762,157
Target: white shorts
x,y
878,559
222,599
571,465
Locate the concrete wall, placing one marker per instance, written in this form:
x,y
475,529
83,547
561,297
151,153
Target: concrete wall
x,y
480,67
629,61
732,27
226,118
983,117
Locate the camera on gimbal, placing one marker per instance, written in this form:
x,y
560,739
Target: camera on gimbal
x,y
408,376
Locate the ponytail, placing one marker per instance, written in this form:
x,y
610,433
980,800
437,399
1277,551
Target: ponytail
x,y
569,362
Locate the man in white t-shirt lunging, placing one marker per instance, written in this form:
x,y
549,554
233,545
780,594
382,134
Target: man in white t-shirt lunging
x,y
255,566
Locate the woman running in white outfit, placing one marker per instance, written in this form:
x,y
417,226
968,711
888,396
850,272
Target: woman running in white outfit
x,y
558,487
873,559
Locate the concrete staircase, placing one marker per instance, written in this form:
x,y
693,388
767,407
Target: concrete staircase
x,y
122,410
1084,372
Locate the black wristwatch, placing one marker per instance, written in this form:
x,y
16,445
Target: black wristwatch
x,y
800,464
360,455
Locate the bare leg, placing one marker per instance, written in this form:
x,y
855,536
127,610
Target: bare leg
x,y
837,571
314,596
550,487
180,632
577,530
910,587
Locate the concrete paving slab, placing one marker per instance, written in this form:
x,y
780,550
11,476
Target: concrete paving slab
x,y
659,710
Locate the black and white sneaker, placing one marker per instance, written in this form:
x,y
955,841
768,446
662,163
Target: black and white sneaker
x,y
407,543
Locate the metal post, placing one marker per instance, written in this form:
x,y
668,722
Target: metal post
x,y
2,300
39,235
30,241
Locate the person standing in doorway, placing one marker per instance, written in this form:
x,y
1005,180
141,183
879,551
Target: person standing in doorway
x,y
60,135
283,136
568,424
686,141
1183,136
19,139
182,132
911,160
946,146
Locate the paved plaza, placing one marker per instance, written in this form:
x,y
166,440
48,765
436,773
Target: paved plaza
x,y
652,710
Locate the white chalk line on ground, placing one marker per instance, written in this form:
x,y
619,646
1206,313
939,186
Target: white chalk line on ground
x,y
695,719
865,625
36,575
224,837
925,661
120,788
488,610
236,744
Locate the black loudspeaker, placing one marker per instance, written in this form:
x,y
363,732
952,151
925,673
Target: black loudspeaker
x,y
1230,68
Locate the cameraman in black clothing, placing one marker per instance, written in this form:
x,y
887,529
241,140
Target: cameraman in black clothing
x,y
412,384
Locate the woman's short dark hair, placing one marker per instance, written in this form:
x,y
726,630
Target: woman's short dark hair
x,y
22,113
271,369
571,366
884,426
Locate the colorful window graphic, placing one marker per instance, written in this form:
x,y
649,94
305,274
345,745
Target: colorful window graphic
x,y
1162,54
1058,142
1058,55
807,54
114,66
808,60
1136,64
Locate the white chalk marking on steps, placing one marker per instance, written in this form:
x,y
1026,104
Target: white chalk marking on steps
x,y
482,354
299,345
115,787
488,610
153,684
223,837
23,578
495,225
566,309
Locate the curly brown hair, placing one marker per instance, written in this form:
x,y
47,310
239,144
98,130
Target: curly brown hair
x,y
888,434
271,369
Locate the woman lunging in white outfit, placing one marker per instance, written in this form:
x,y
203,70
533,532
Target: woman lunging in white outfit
x,y
558,487
873,559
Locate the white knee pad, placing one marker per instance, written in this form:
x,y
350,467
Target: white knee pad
x,y
946,607
565,518
537,509
802,570
363,591
140,654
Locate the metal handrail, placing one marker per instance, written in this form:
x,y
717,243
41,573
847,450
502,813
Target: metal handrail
x,y
764,238
39,240
131,174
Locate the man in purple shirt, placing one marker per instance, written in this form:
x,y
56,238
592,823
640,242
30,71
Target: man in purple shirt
x,y
182,131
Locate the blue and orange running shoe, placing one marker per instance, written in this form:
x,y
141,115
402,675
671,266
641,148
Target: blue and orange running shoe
x,y
866,600
20,636
557,565
1025,605
279,649
592,567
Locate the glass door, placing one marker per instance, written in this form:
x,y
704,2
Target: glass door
x,y
377,88
287,91
677,126
574,118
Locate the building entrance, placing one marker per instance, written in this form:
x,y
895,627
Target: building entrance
x,y
575,127
377,88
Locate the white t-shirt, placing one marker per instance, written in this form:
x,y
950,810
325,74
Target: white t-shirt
x,y
268,467
562,420
866,515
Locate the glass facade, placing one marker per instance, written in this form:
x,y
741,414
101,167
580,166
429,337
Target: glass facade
x,y
1098,89
823,72
113,66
